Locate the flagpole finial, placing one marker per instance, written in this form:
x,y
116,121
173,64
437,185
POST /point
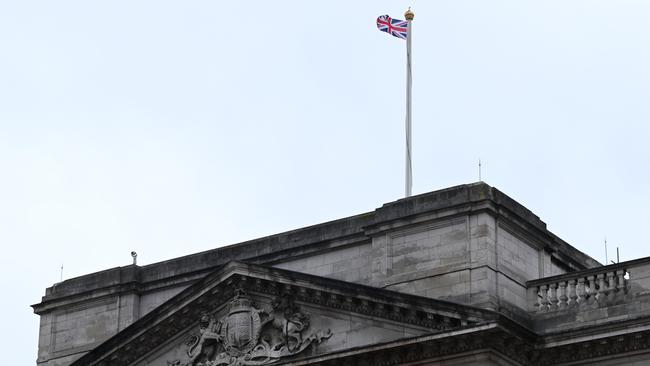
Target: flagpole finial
x,y
409,15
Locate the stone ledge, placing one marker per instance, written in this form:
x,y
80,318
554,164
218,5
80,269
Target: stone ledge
x,y
459,200
182,311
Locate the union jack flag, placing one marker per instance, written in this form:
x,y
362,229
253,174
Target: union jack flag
x,y
396,27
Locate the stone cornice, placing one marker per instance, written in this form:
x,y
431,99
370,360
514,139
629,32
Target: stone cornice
x,y
489,337
454,329
182,311
593,349
595,332
454,201
492,337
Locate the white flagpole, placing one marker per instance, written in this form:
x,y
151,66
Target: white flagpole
x,y
409,15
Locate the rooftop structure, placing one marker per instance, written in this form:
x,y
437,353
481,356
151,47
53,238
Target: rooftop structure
x,y
460,276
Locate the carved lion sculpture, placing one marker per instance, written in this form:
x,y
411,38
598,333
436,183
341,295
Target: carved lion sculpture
x,y
204,347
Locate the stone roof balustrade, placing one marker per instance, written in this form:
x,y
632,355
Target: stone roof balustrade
x,y
607,294
603,287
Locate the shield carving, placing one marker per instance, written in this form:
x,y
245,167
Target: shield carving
x,y
241,327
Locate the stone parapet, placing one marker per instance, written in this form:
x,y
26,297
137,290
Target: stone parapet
x,y
608,285
470,244
596,296
456,201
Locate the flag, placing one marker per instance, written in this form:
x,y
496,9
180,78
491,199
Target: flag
x,y
402,29
396,27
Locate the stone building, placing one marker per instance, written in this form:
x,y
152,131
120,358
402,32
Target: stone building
x,y
460,276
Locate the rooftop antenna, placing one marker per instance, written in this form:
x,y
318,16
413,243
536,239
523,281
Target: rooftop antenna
x,y
479,170
61,280
135,258
606,251
617,257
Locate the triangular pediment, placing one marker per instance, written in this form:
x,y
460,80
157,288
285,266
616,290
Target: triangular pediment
x,y
258,315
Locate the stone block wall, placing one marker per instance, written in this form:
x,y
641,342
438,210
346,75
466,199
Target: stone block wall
x,y
519,259
151,300
75,327
475,259
415,252
470,244
350,263
69,331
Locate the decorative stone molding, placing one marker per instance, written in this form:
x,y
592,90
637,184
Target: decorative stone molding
x,y
370,307
188,311
248,336
596,348
489,338
494,339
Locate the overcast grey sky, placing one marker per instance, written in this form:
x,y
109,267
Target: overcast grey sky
x,y
175,127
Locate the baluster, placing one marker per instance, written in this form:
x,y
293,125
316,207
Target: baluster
x,y
573,296
591,290
621,285
582,293
553,296
562,297
601,288
543,301
611,286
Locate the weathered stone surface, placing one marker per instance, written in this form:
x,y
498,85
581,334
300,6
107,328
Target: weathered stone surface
x,y
350,264
461,276
347,317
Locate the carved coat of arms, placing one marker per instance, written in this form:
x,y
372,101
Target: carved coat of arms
x,y
248,336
